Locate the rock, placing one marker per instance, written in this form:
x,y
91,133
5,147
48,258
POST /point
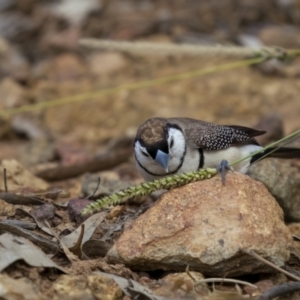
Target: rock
x,y
6,209
282,178
106,63
65,40
22,288
12,62
20,178
181,286
87,287
12,94
65,67
75,207
273,125
28,128
204,225
285,36
44,212
37,151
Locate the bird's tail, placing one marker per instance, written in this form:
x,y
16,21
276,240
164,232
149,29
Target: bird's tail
x,y
277,152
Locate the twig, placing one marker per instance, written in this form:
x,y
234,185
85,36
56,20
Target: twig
x,y
202,50
217,279
258,257
5,180
225,280
280,290
158,49
94,192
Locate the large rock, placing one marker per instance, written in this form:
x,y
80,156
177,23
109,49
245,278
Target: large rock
x,y
204,225
282,178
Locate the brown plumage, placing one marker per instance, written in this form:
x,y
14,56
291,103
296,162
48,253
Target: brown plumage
x,y
153,130
204,135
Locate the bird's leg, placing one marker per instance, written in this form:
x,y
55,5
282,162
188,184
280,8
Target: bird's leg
x,y
222,168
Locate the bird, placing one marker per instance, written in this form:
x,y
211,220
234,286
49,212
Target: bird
x,y
168,146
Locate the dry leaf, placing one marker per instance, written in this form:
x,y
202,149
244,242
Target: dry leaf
x,y
38,223
95,248
33,237
13,248
90,225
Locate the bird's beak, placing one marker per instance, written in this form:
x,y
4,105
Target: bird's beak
x,y
162,159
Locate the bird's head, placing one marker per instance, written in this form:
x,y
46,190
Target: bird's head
x,y
159,146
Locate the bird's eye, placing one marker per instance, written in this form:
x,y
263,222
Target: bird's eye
x,y
145,154
172,143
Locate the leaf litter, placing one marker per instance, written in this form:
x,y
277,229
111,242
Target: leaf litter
x,y
80,244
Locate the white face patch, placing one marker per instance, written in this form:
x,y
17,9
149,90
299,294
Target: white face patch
x,y
176,142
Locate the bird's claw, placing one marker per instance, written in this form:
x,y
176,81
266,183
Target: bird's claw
x,y
223,167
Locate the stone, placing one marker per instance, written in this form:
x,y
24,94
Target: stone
x,y
65,40
22,288
65,67
272,123
106,63
75,208
204,225
12,94
181,286
44,212
19,178
12,62
282,36
87,287
282,178
6,209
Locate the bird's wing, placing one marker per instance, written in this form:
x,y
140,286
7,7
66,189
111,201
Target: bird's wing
x,y
209,136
